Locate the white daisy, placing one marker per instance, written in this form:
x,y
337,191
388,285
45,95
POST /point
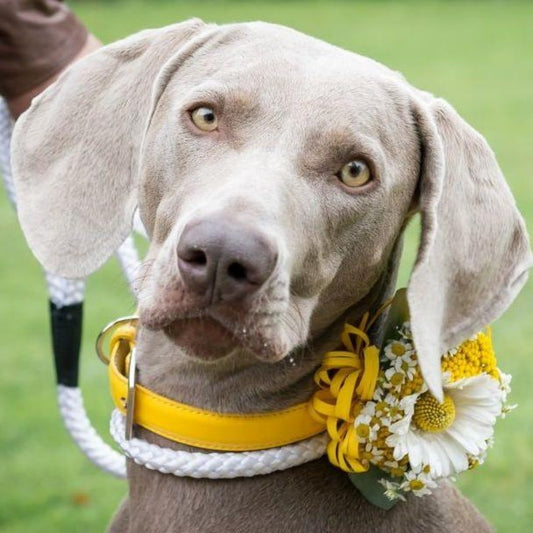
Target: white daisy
x,y
375,452
364,428
407,403
418,483
505,382
391,400
394,379
378,393
397,349
507,408
407,366
443,436
379,411
391,489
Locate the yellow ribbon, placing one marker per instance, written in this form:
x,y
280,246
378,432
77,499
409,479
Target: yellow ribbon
x,y
346,379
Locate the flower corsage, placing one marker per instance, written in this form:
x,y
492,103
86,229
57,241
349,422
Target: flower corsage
x,y
387,430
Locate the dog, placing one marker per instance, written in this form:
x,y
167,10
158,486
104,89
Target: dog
x,y
275,174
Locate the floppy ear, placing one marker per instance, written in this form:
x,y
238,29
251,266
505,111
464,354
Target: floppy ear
x,y
474,250
75,152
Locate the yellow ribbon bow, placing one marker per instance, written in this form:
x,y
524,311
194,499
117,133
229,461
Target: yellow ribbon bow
x,y
346,379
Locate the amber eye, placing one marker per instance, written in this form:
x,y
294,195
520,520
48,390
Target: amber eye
x,y
204,118
355,173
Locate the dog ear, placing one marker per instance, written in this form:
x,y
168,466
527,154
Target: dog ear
x,y
75,152
474,251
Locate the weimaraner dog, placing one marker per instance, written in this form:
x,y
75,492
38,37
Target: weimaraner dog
x,y
274,174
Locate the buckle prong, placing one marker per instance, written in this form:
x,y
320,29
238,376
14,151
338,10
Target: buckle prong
x,y
130,400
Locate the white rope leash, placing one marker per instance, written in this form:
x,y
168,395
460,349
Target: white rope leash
x,y
65,292
84,435
216,465
5,151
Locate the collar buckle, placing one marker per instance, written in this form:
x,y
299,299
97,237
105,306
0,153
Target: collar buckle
x,y
104,337
130,399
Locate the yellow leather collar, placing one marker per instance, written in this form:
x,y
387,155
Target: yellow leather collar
x,y
197,427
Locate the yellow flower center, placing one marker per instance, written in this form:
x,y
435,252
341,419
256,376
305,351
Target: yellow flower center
x,y
397,349
416,484
472,463
363,431
397,472
397,379
430,415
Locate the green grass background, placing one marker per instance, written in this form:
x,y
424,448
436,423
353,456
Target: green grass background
x,y
478,55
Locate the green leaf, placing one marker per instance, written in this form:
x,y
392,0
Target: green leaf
x,y
397,315
368,485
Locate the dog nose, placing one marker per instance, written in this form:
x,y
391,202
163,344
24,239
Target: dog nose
x,y
223,259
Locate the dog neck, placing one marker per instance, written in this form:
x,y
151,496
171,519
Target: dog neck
x,y
239,382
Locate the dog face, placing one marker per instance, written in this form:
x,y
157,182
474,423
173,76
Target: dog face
x,y
300,187
274,174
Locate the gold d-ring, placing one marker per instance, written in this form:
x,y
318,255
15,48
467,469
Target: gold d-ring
x,y
104,334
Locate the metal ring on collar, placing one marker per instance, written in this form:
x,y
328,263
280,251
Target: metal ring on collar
x,y
103,336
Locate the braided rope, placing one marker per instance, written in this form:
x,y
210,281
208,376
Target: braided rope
x,y
84,435
215,465
63,291
5,150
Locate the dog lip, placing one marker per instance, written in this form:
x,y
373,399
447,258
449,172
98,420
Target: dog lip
x,y
253,339
204,318
208,337
201,337
192,319
214,329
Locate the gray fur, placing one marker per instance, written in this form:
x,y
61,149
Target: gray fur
x,y
113,133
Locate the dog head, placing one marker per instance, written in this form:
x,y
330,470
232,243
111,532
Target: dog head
x,y
274,174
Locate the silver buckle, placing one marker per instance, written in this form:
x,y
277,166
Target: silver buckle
x,y
104,334
130,400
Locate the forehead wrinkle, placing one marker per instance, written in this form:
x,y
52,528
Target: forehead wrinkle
x,y
324,150
242,108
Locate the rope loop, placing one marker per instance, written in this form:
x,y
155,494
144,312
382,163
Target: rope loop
x,y
216,465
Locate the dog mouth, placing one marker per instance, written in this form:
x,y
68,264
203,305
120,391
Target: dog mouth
x,y
202,337
211,338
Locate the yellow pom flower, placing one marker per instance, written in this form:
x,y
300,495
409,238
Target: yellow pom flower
x,y
473,357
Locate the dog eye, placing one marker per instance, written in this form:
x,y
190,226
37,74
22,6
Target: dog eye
x,y
204,118
355,173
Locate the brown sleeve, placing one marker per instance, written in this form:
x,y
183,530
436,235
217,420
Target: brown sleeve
x,y
38,38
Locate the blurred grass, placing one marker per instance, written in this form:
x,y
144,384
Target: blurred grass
x,y
475,54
